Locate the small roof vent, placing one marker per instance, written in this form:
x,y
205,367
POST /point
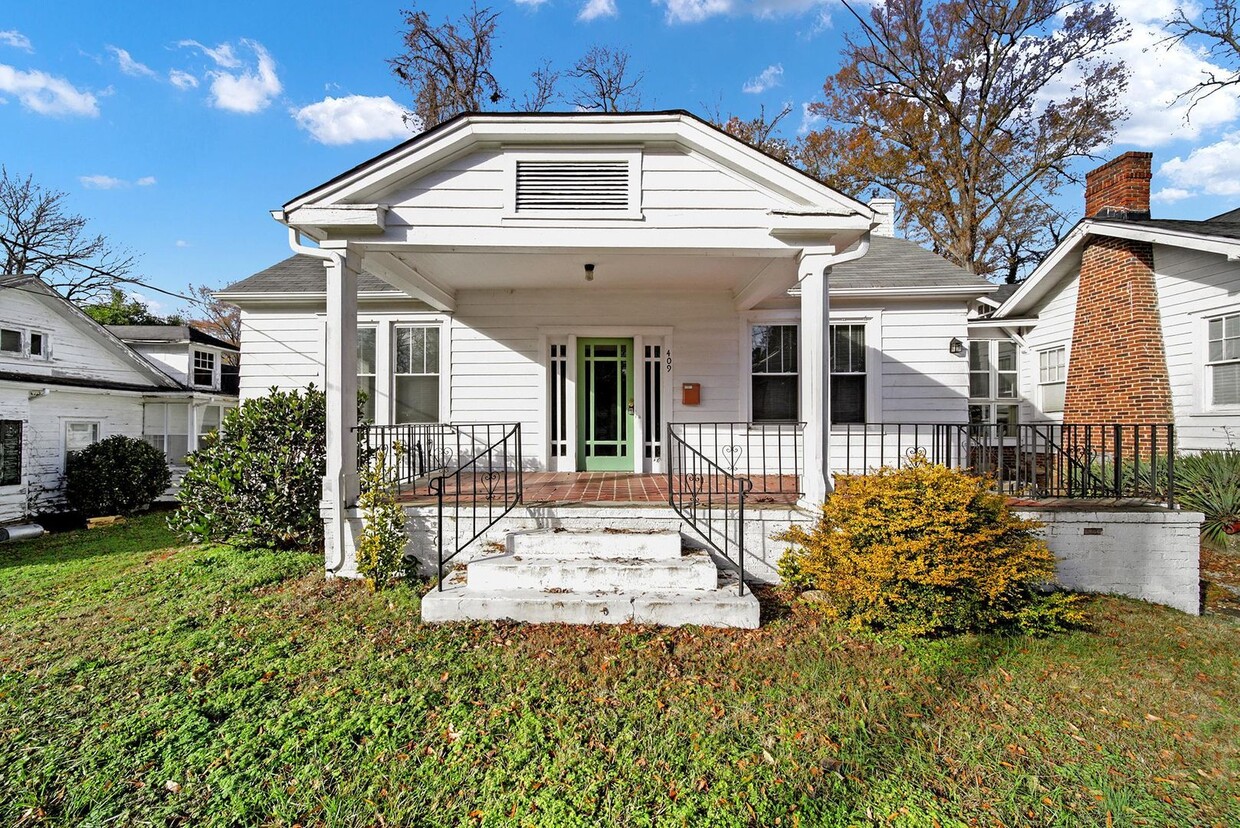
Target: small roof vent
x,y
586,186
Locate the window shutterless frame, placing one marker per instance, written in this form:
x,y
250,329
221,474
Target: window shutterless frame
x,y
1222,361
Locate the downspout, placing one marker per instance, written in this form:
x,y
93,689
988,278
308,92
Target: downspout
x,y
337,527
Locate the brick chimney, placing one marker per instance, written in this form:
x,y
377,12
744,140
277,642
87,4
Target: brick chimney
x,y
1117,370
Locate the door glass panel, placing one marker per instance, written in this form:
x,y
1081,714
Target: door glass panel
x,y
606,398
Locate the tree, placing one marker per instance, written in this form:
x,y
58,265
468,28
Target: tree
x,y
122,309
1218,29
218,318
759,133
40,237
542,91
448,67
967,111
603,82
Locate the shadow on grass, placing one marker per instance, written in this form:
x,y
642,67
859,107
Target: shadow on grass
x,y
136,535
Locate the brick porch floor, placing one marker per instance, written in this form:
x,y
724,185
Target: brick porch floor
x,y
611,487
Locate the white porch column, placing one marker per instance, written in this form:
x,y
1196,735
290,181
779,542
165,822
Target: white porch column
x,y
815,374
340,485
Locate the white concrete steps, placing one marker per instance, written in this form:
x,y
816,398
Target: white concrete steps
x,y
594,577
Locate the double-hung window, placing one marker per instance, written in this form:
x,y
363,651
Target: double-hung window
x,y
848,374
773,373
80,434
993,383
204,369
367,352
166,427
1223,359
1052,378
416,376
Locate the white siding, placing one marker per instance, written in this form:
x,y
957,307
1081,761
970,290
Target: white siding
x,y
282,348
13,498
1192,286
171,358
1054,328
922,382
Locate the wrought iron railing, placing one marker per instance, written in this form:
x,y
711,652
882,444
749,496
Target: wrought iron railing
x,y
1037,460
473,470
770,455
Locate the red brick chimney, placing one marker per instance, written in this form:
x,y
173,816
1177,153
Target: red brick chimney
x,y
1117,369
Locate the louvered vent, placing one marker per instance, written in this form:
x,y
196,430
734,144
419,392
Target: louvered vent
x,y
572,185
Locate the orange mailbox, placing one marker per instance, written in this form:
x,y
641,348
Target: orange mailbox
x,y
691,393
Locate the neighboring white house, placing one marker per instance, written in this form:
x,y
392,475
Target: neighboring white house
x,y
192,357
67,382
1129,319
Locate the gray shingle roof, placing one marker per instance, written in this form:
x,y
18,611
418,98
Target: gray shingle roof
x,y
300,274
167,333
899,263
1225,226
1005,290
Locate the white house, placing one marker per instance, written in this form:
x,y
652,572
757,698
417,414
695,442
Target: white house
x,y
1129,319
67,382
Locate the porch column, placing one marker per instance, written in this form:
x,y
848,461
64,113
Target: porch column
x,y
340,485
815,373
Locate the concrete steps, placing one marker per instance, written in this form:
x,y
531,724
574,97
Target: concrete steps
x,y
594,577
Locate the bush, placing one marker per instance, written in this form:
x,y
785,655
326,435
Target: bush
x,y
258,481
116,476
381,545
926,550
1209,483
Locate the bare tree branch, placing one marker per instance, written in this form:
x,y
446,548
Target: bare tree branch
x,y
604,83
542,89
759,132
1218,31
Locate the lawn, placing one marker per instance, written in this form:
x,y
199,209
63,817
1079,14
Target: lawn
x,y
149,683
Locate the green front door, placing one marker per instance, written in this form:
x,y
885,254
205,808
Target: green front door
x,y
605,404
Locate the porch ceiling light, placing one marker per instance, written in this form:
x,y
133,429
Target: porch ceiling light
x,y
589,273
955,346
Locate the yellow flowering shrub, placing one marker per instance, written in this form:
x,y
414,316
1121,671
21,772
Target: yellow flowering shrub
x,y
926,550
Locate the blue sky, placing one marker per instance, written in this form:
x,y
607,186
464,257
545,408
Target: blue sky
x,y
177,127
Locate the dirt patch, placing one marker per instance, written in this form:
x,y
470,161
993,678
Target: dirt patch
x,y
1220,573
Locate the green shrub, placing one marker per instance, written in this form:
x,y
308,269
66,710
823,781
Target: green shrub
x,y
1209,483
381,545
926,550
258,481
116,476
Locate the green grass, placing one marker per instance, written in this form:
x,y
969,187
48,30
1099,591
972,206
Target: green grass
x,y
148,683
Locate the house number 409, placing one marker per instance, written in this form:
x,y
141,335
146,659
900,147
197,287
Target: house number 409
x,y
669,362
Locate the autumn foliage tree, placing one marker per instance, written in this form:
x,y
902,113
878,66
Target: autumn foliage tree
x,y
968,112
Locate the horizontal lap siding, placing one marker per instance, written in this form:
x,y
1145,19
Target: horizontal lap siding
x,y
922,381
1054,328
495,338
281,349
1193,285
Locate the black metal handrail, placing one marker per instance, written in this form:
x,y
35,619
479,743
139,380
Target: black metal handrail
x,y
770,455
708,497
1039,460
417,452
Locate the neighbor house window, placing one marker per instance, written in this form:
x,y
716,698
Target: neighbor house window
x,y
993,384
417,374
166,427
38,345
80,434
10,341
204,368
366,361
773,373
1223,360
10,452
1052,378
848,381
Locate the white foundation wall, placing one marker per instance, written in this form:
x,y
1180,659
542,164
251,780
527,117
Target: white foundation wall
x,y
1147,553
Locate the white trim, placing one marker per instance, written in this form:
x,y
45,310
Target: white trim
x,y
744,341
1041,384
872,319
1205,366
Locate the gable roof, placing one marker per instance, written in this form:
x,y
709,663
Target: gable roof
x,y
159,381
1220,235
894,263
427,149
169,333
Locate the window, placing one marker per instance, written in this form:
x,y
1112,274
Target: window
x,y
10,341
773,373
80,434
1052,378
848,384
204,368
366,353
10,452
1223,359
209,420
417,374
166,427
38,345
992,369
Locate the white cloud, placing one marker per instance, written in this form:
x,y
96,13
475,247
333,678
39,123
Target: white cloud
x,y
808,120
1170,195
108,182
768,78
1208,170
594,9
182,243
695,11
130,66
46,94
533,4
248,88
182,80
16,39
353,118
102,182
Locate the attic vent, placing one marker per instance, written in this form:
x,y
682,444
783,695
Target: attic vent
x,y
572,185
